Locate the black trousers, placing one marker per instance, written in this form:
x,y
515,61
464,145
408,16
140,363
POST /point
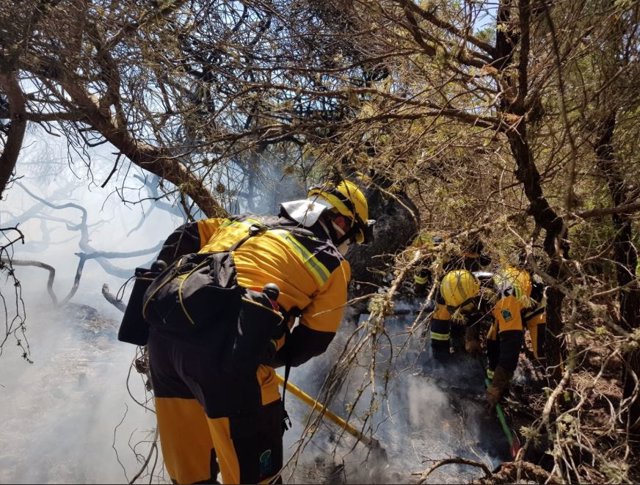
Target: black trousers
x,y
210,420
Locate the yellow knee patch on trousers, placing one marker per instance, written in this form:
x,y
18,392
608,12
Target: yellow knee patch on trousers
x,y
185,440
220,430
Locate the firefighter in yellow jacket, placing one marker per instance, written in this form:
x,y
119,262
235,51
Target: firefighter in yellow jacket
x,y
472,258
513,306
211,419
423,247
444,331
520,306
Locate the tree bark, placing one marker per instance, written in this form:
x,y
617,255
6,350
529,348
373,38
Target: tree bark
x,y
625,256
396,224
515,90
17,127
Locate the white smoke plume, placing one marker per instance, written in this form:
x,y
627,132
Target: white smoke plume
x,y
68,417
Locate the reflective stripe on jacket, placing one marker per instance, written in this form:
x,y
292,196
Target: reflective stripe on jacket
x,y
310,272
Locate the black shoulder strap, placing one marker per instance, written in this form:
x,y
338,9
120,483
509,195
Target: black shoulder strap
x,y
263,226
286,421
254,230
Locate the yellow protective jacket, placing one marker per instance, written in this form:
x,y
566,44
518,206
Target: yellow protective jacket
x,y
310,272
508,331
535,319
515,310
422,248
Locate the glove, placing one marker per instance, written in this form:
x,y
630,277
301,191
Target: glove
x,y
472,343
499,385
493,395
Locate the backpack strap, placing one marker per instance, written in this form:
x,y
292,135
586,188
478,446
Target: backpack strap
x,y
286,421
258,228
294,312
254,230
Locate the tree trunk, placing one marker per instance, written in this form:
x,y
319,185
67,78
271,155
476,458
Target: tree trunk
x,y
396,224
626,258
514,83
17,127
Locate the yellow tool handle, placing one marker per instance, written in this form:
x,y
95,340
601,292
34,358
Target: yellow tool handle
x,y
303,396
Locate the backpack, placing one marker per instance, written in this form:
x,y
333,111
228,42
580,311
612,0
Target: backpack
x,y
192,292
198,296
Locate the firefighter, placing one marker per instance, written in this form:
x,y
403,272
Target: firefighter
x,y
457,299
508,301
213,420
424,244
521,305
472,258
445,331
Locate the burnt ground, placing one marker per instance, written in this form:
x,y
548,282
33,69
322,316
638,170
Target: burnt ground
x,y
432,413
437,429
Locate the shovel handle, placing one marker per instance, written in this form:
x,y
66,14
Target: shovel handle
x,y
514,442
303,396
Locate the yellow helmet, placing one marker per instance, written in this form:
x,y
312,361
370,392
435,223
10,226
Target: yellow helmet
x,y
515,281
349,201
458,287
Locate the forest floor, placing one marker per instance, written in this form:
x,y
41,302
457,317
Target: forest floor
x,y
589,430
438,417
432,423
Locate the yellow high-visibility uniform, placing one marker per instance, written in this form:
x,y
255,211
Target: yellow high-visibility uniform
x,y
504,339
459,294
207,417
535,320
519,307
515,309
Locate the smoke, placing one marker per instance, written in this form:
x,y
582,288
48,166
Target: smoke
x,y
59,414
69,418
431,413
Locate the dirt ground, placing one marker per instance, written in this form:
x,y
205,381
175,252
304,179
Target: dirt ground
x,y
588,429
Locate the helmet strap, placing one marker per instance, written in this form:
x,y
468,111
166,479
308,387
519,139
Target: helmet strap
x,y
343,248
350,235
335,231
327,224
